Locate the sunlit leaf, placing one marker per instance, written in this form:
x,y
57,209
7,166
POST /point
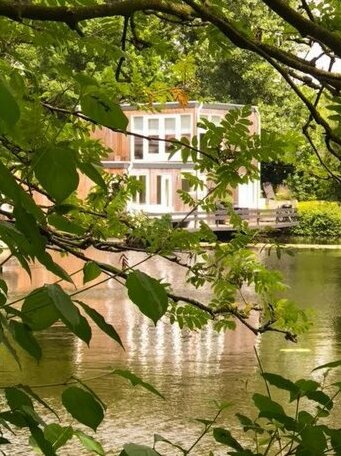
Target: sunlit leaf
x,y
89,443
58,435
91,271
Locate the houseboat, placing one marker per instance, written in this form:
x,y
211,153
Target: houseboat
x,y
149,161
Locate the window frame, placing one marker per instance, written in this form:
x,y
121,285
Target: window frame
x,y
162,154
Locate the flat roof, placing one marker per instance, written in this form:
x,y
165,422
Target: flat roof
x,y
190,104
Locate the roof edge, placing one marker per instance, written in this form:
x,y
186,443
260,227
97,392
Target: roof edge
x,y
190,104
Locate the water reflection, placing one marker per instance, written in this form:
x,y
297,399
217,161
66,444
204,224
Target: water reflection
x,y
191,368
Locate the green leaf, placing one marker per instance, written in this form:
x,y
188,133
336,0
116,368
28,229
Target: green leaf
x,y
15,418
224,436
46,260
4,441
281,383
313,441
248,424
306,386
3,292
83,406
131,449
89,443
335,440
148,294
9,108
64,305
98,107
92,172
4,340
320,397
27,224
98,319
134,380
35,396
63,209
38,311
91,271
87,388
305,418
330,365
69,313
64,224
17,399
57,435
159,438
55,169
265,404
82,330
10,188
39,439
22,334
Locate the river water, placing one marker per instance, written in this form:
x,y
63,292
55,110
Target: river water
x,y
192,369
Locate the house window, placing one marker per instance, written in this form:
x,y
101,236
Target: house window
x,y
170,131
158,189
185,126
153,132
156,127
138,142
140,196
163,191
185,121
138,147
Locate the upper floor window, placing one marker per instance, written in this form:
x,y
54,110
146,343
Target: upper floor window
x,y
170,131
137,141
154,132
156,127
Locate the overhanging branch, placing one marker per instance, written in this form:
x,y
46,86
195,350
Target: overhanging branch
x,y
73,15
305,26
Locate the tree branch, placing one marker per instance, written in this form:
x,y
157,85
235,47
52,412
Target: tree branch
x,y
73,15
305,26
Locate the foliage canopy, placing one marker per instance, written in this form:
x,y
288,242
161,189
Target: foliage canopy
x,y
65,71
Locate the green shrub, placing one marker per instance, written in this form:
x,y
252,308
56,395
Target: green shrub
x,y
318,219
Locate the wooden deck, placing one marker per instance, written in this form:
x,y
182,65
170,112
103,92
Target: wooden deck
x,y
219,220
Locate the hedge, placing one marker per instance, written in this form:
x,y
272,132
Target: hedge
x,y
319,219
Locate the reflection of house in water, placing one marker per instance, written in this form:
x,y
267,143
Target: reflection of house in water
x,y
148,348
150,162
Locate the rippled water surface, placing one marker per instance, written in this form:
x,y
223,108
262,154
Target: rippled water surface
x,y
191,368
